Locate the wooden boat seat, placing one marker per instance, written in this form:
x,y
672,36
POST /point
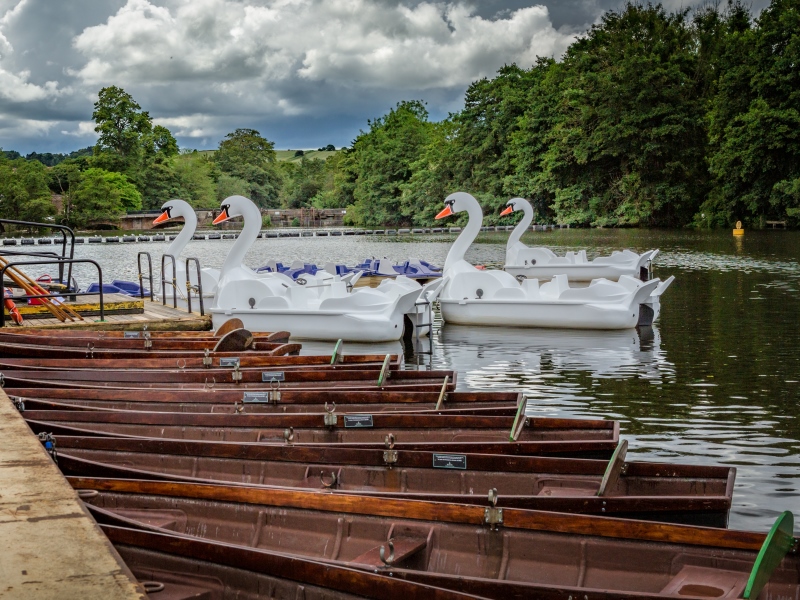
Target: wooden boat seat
x,y
562,487
707,583
404,547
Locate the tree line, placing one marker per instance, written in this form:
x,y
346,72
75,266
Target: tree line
x,y
651,118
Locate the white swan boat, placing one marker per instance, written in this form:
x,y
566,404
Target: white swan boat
x,y
491,297
175,209
540,262
323,308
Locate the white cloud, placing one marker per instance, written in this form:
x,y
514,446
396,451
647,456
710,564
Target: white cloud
x,y
83,129
346,42
15,86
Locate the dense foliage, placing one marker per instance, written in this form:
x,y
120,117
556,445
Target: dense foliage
x,y
650,118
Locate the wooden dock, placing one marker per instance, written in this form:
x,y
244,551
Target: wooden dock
x,y
154,315
52,548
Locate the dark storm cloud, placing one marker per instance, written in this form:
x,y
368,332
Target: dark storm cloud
x,y
305,73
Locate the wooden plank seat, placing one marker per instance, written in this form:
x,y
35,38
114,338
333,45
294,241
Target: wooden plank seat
x,y
567,487
404,548
706,582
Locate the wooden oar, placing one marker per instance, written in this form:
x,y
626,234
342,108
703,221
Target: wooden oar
x,y
32,289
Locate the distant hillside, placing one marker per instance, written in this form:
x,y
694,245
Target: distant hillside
x,y
290,155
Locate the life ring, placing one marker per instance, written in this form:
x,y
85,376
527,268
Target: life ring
x,y
13,311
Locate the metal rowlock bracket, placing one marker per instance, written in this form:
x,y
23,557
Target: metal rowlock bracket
x,y
178,363
492,515
19,403
236,374
288,435
390,454
331,419
148,342
275,391
210,386
328,485
2,381
207,359
90,350
382,553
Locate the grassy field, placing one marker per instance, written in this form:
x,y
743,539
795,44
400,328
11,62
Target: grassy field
x,y
288,155
309,154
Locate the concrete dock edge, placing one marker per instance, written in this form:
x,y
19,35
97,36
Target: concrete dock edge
x,y
49,545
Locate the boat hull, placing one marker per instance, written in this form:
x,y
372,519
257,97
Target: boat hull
x,y
559,315
326,326
581,272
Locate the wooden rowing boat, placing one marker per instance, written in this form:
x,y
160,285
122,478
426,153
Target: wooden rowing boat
x,y
227,375
43,351
169,567
392,431
665,492
290,400
493,552
253,381
246,360
73,337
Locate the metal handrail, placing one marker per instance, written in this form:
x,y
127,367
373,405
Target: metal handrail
x,y
61,228
164,282
190,287
71,261
150,273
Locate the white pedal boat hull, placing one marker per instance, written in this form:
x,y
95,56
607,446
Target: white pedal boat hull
x,y
539,314
319,325
584,272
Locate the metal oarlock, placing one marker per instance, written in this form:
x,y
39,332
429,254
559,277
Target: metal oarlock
x,y
330,418
328,485
492,515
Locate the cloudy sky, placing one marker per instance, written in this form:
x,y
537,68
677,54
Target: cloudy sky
x,y
305,73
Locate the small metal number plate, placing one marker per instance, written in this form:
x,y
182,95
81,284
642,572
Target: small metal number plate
x,y
131,334
358,421
256,398
229,362
268,376
449,461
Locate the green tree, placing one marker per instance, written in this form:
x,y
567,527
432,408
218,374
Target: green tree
x,y
245,155
24,193
382,159
130,144
755,122
302,182
627,143
194,172
102,196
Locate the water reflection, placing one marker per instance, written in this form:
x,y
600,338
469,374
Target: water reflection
x,y
602,354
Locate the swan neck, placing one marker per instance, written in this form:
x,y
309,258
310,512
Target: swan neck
x,y
522,226
466,237
252,225
186,234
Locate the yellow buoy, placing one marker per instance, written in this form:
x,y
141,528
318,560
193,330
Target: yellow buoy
x,y
738,230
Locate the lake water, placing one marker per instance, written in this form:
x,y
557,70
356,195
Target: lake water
x,y
716,381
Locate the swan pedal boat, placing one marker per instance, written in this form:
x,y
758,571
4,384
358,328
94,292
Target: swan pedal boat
x,y
325,308
654,491
540,262
471,296
495,553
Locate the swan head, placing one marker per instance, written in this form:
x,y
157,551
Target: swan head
x,y
515,204
457,202
172,209
232,206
